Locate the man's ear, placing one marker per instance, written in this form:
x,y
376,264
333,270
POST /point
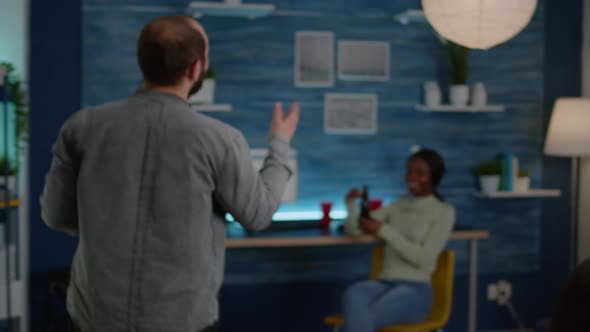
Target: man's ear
x,y
195,70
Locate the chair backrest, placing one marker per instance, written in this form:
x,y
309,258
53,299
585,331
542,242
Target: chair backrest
x,y
442,286
442,281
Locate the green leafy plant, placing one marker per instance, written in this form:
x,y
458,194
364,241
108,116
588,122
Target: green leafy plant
x,y
487,168
522,173
12,170
19,99
458,55
211,74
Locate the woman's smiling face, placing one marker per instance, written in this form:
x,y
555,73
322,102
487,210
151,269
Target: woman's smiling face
x,y
418,177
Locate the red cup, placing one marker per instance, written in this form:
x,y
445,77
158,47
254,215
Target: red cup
x,y
326,207
375,203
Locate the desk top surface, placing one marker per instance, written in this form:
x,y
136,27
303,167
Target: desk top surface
x,y
309,233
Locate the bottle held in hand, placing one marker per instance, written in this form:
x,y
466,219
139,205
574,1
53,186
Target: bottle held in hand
x,y
365,204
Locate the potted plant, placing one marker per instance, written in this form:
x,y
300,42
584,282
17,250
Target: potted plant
x,y
523,183
488,174
459,90
206,94
18,98
10,181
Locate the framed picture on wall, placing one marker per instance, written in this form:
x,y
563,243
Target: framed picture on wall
x,y
363,60
314,59
353,114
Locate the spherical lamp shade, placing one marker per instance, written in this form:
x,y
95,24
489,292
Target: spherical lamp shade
x,y
479,23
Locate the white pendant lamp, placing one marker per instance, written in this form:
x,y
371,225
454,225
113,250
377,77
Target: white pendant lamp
x,y
479,24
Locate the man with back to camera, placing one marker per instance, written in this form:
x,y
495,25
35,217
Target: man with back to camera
x,y
145,183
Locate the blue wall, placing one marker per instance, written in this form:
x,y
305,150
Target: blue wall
x,y
254,61
563,50
55,81
529,238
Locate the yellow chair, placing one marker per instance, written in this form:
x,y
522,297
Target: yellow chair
x,y
442,285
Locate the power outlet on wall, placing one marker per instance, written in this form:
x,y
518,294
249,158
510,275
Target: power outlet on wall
x,y
500,292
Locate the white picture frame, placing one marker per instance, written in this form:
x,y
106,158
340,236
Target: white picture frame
x,y
350,113
314,59
360,60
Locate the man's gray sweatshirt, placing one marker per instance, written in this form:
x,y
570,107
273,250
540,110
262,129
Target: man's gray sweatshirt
x,y
145,183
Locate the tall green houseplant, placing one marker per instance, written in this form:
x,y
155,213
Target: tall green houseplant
x,y
459,90
459,56
18,98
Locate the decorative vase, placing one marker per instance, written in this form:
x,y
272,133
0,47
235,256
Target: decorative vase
x,y
11,250
523,184
432,94
479,96
489,183
11,184
206,94
459,95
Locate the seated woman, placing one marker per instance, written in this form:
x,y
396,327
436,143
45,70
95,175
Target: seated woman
x,y
415,230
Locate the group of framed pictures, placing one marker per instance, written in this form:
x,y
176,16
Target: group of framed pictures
x,y
357,60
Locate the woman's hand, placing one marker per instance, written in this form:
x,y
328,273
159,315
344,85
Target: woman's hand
x,y
370,226
353,194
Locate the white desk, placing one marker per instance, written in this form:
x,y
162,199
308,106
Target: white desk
x,y
308,234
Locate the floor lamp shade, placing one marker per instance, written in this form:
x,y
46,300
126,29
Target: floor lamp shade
x,y
569,136
569,129
479,24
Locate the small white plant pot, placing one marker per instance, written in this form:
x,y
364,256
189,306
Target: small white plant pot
x,y
206,94
11,183
523,184
459,95
432,94
489,183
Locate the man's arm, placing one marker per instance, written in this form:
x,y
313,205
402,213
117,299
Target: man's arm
x,y
253,197
58,201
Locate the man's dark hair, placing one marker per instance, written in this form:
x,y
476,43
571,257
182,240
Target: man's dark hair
x,y
167,46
